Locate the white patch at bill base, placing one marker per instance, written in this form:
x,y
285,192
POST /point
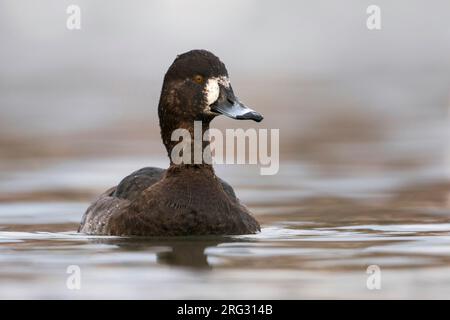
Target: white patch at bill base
x,y
212,90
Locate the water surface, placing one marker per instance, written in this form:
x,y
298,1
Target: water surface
x,y
319,235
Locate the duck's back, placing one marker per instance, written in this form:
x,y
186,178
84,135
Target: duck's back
x,y
146,203
132,185
117,199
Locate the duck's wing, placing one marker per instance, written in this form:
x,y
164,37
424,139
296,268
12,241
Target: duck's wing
x,y
228,190
117,199
132,185
97,215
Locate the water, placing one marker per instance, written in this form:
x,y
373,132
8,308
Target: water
x,y
319,235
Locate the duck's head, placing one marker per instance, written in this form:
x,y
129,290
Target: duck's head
x,y
197,87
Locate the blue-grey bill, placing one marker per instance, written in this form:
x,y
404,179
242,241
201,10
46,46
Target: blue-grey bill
x,y
238,111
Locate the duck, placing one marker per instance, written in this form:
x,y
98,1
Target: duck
x,y
186,199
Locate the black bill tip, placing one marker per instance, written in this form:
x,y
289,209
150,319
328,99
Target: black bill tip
x,y
252,115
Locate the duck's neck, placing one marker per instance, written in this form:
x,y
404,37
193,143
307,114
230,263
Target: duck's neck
x,y
186,141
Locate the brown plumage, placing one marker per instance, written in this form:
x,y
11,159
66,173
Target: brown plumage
x,y
185,199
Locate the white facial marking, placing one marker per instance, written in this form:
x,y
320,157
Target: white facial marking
x,y
212,90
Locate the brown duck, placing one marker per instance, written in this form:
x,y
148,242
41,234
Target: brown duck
x,y
185,199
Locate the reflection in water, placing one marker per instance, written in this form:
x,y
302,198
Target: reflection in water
x,y
190,254
180,251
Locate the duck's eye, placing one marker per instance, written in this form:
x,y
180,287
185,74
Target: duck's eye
x,y
199,79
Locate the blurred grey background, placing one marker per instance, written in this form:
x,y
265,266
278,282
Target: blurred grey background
x,y
341,95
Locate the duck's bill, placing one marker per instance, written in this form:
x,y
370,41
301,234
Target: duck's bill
x,y
230,106
237,111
